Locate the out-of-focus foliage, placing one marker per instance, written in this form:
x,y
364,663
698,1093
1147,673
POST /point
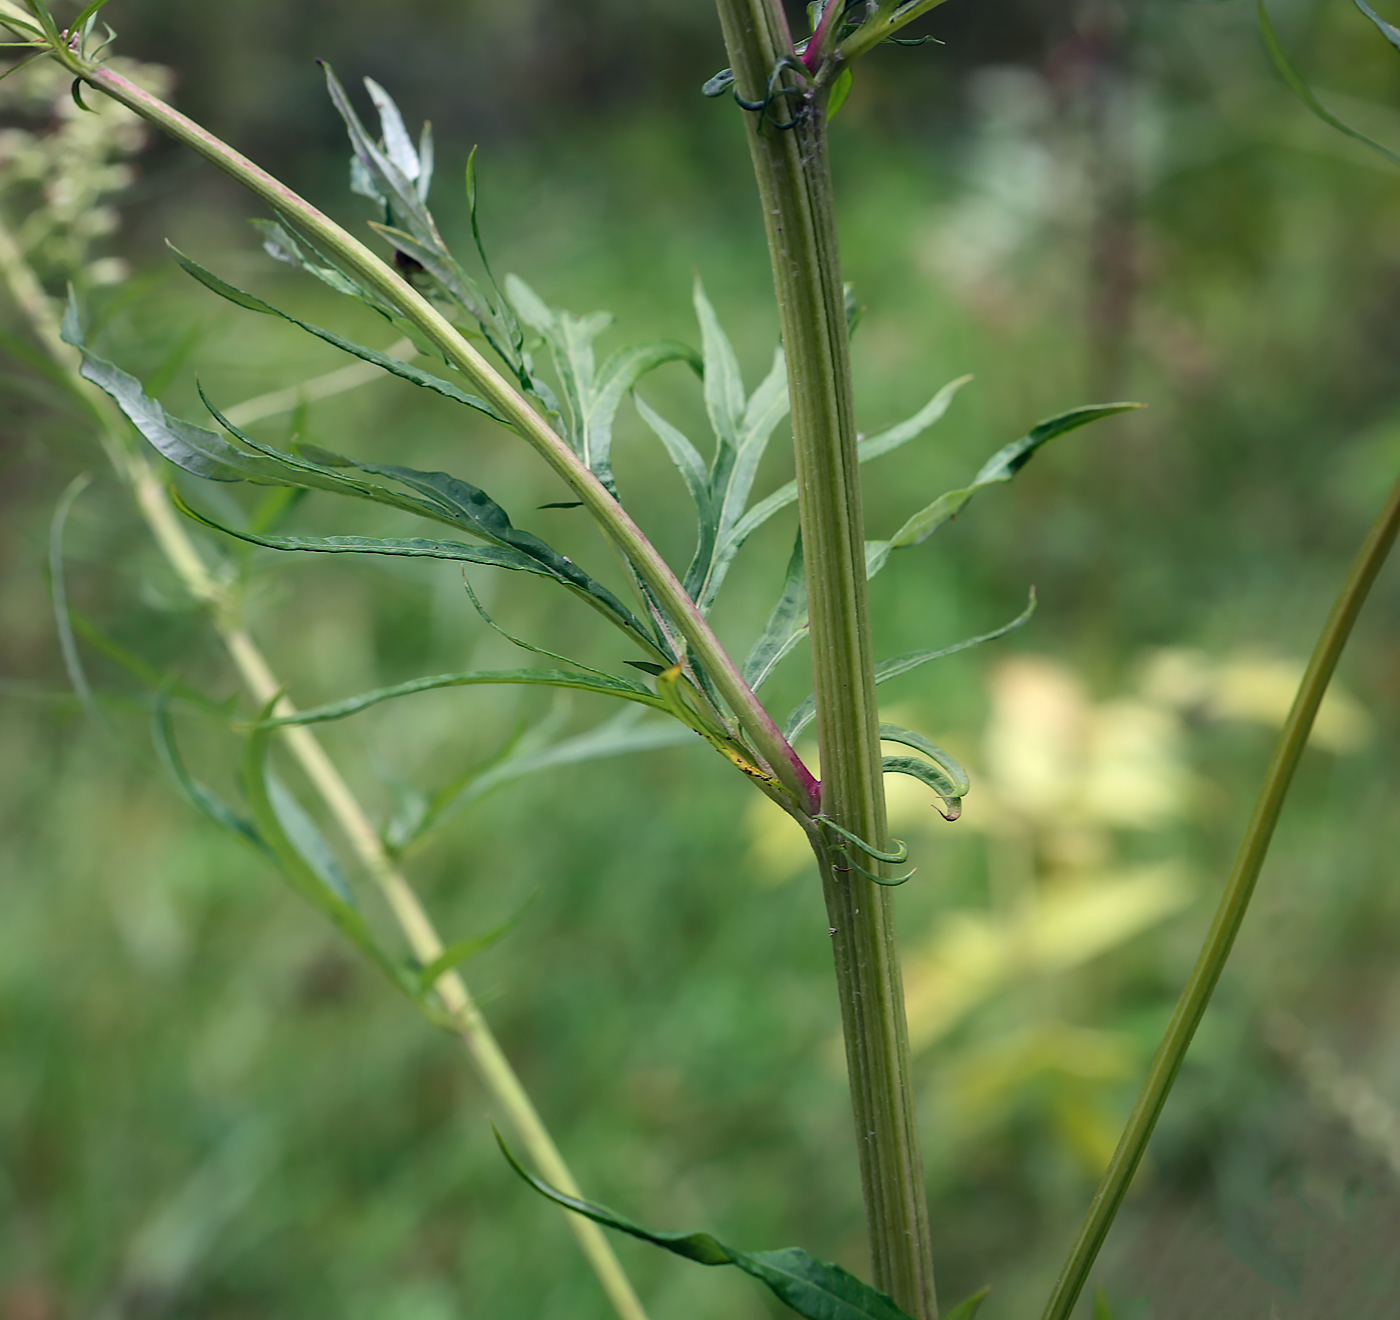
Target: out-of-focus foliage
x,y
210,1109
59,165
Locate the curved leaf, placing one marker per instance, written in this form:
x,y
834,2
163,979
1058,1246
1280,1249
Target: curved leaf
x,y
404,370
187,446
617,376
471,508
931,775
803,714
688,463
786,626
1304,93
724,386
953,773
939,771
410,547
967,1308
874,446
203,798
456,953
592,395
812,1288
302,872
1002,466
902,664
614,737
447,499
603,684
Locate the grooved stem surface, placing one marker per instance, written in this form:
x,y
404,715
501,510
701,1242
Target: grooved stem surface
x,y
794,185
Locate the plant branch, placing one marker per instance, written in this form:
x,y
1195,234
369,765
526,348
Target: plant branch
x,y
1195,999
168,528
888,19
615,522
794,185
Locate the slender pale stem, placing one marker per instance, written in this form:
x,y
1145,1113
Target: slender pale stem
x,y
1210,963
615,522
168,529
794,187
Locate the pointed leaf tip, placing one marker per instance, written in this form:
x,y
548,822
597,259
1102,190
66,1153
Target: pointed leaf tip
x,y
814,1289
969,1306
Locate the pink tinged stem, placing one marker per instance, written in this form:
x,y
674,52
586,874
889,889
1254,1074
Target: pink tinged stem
x,y
812,55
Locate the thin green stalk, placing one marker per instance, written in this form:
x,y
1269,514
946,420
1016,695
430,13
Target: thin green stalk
x,y
794,185
616,524
1210,963
168,528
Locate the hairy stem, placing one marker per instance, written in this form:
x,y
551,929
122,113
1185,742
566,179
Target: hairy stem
x,y
615,522
1195,998
168,529
794,187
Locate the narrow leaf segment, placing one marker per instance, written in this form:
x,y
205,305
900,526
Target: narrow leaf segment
x,y
812,1288
1002,466
1304,93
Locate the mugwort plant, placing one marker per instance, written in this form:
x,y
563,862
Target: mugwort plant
x,y
499,351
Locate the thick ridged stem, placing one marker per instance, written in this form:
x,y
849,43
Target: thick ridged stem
x,y
167,527
794,186
1195,998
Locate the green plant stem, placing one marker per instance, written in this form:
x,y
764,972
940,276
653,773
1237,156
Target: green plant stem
x,y
794,185
888,19
616,524
168,529
1210,963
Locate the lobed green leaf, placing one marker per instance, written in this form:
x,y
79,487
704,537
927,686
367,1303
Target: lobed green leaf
x,y
375,173
592,395
440,497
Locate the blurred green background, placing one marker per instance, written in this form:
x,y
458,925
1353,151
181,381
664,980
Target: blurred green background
x,y
209,1108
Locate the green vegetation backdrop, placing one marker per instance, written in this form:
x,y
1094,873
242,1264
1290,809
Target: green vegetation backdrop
x,y
208,1108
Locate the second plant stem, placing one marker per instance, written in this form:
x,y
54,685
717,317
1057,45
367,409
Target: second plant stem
x,y
421,935
1229,915
794,184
